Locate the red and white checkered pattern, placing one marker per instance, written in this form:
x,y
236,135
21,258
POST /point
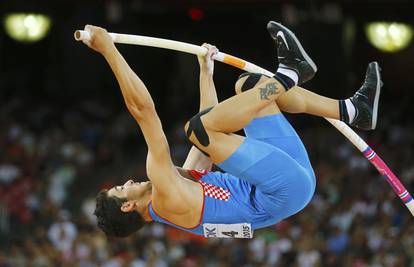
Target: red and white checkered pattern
x,y
215,191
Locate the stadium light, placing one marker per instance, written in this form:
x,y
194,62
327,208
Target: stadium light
x,y
389,36
27,27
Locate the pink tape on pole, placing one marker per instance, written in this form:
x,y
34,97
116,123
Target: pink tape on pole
x,y
392,179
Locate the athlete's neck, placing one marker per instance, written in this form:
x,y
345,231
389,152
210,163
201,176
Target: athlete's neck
x,y
144,210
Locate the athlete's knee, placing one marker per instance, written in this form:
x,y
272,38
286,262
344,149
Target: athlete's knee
x,y
247,81
196,131
239,83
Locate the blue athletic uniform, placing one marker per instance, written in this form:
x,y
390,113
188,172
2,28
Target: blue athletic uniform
x,y
268,178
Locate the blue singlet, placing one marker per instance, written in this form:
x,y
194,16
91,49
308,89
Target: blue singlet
x,y
268,178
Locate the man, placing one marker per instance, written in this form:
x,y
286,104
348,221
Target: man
x,y
268,176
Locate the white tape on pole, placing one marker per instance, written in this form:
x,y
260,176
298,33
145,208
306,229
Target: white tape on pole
x,y
177,46
350,134
148,41
410,206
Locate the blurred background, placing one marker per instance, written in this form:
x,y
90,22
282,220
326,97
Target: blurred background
x,y
65,133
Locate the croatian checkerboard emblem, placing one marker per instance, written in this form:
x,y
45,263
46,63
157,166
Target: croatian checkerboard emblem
x,y
215,191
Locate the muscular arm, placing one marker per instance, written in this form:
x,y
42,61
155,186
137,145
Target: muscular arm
x,y
208,98
160,169
208,94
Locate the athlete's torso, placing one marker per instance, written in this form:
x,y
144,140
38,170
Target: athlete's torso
x,y
228,200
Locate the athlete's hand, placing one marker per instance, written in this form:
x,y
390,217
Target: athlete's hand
x,y
207,62
100,40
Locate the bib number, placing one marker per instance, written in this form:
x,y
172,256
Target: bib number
x,y
237,230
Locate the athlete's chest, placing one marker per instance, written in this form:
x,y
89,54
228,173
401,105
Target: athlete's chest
x,y
183,207
226,210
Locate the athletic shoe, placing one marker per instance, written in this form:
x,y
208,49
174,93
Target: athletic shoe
x,y
366,99
291,54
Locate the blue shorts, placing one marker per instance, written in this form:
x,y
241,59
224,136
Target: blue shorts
x,y
274,160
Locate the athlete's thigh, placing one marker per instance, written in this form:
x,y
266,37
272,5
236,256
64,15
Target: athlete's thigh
x,y
283,186
269,124
293,192
276,130
276,175
220,145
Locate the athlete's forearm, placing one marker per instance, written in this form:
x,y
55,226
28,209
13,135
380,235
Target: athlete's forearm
x,y
208,98
160,168
136,96
208,94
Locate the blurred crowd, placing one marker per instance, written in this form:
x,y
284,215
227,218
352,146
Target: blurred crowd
x,y
52,165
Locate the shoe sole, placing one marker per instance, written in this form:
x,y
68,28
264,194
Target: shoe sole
x,y
298,44
377,95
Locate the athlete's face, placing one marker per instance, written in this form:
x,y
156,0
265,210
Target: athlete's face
x,y
131,190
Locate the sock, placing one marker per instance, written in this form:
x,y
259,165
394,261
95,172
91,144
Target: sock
x,y
347,110
286,76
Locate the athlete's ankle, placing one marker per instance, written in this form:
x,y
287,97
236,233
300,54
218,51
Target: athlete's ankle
x,y
347,110
286,76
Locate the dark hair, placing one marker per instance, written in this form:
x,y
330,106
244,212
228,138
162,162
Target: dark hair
x,y
112,220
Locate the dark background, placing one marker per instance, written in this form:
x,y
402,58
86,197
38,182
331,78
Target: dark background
x,y
58,70
64,128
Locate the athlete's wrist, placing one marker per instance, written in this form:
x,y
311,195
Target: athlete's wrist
x,y
109,50
206,69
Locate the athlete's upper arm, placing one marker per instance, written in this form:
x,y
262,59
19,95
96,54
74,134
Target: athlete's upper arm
x,y
160,168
